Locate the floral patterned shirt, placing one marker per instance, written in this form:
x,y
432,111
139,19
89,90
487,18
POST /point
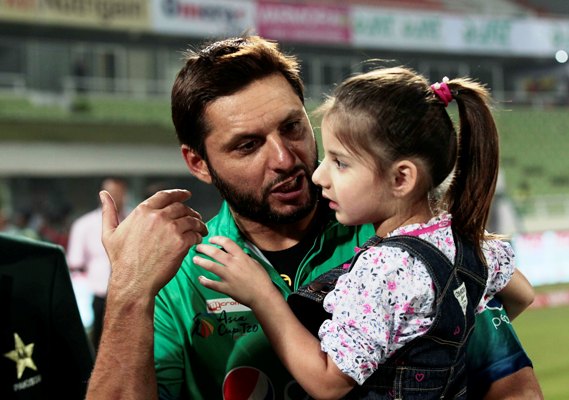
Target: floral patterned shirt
x,y
387,298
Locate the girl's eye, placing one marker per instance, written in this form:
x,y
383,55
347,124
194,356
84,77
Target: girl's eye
x,y
339,164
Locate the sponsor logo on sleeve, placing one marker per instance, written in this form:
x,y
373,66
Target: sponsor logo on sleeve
x,y
227,304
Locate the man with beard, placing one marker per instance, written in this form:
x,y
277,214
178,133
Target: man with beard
x,y
238,109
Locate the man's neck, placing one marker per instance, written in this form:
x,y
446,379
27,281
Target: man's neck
x,y
274,237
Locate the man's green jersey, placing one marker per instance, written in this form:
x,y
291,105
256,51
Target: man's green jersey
x,y
208,346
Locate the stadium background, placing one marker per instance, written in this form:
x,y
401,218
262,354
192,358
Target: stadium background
x,y
84,93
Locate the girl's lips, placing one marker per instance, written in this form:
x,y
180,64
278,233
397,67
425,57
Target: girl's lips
x,y
331,203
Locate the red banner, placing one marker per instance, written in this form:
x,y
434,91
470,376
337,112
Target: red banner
x,y
312,23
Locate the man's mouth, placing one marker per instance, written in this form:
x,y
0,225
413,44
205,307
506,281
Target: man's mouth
x,y
291,184
291,189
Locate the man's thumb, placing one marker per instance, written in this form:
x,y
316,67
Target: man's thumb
x,y
110,213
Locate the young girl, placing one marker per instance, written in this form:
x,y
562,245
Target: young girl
x,y
402,310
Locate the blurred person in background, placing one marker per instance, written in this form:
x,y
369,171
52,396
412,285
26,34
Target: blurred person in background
x,y
238,109
86,255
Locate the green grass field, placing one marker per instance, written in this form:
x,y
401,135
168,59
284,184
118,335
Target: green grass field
x,y
544,335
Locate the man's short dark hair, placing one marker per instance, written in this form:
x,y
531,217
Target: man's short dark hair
x,y
221,69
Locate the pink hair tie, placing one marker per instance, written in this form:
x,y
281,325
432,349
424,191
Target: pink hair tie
x,y
442,91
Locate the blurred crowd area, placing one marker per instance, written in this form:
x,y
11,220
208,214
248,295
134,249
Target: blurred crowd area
x,y
45,208
53,228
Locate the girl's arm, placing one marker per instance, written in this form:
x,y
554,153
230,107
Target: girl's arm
x,y
246,281
517,295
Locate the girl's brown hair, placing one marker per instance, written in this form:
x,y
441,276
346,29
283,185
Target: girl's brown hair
x,y
393,114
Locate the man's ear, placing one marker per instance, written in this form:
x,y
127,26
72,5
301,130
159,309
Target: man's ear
x,y
404,178
196,164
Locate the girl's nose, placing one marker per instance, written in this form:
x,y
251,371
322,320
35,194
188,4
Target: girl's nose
x,y
318,175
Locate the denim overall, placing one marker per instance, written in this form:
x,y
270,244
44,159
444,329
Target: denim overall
x,y
431,366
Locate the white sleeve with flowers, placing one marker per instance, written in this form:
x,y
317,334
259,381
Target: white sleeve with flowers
x,y
500,258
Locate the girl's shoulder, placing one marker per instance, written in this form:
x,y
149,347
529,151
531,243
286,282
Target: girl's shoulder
x,y
497,248
499,255
387,260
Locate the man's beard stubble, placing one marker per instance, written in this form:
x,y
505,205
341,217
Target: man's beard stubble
x,y
259,210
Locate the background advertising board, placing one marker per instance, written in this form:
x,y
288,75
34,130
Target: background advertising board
x,y
214,18
305,23
543,257
428,31
114,14
377,28
120,14
19,10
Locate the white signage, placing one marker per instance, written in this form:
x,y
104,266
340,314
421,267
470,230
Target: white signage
x,y
211,18
446,33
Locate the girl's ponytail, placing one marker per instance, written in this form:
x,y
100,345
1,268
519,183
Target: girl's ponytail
x,y
469,198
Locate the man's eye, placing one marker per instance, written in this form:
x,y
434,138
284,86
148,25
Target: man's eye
x,y
247,147
293,127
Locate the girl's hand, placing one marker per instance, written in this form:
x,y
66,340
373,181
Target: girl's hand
x,y
242,277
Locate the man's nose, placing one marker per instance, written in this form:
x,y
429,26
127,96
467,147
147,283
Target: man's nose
x,y
283,154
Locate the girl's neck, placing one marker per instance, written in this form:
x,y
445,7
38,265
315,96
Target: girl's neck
x,y
417,215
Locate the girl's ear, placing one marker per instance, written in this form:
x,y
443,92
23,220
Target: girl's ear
x,y
196,164
404,178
